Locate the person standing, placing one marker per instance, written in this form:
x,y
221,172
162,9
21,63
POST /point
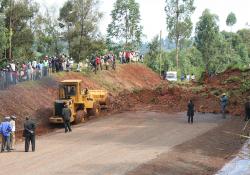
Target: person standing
x,y
223,103
29,134
5,130
190,112
12,135
66,113
247,109
193,77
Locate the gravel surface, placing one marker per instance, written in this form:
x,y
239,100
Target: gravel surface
x,y
112,145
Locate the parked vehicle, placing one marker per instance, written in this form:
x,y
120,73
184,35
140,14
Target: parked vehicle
x,y
171,76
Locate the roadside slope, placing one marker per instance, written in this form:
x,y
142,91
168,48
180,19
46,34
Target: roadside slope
x,y
36,98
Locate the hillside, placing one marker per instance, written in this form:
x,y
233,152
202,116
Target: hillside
x,y
36,98
131,87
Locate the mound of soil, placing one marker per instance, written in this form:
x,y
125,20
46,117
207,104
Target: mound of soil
x,y
131,87
35,98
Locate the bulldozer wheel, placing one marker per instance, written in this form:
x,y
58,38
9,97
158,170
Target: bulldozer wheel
x,y
79,116
95,111
107,101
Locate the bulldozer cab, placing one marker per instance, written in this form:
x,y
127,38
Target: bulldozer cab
x,y
69,89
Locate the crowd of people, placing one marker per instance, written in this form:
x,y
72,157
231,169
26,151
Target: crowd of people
x,y
107,61
130,56
16,72
103,62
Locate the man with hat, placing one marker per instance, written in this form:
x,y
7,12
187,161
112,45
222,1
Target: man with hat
x,y
29,134
224,103
12,135
247,109
5,130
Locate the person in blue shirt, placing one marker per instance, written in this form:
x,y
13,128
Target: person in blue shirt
x,y
5,130
223,103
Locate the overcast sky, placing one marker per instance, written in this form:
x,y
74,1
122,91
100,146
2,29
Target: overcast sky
x,y
154,19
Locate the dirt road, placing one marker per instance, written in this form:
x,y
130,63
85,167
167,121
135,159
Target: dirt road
x,y
113,145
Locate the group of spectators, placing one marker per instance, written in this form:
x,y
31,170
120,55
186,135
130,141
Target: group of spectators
x,y
8,129
16,72
100,62
130,56
188,77
103,62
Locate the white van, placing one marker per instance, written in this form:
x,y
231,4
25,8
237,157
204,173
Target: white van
x,y
171,76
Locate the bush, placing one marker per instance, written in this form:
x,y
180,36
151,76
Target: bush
x,y
233,79
245,86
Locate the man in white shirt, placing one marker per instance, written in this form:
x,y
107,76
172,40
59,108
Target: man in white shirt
x,y
12,135
192,77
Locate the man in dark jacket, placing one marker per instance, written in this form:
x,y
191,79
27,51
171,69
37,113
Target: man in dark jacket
x,y
224,103
66,113
190,112
29,134
247,109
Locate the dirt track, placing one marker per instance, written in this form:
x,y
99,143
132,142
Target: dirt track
x,y
119,144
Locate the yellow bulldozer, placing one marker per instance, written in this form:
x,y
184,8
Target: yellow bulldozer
x,y
82,103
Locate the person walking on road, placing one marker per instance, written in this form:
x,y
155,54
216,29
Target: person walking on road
x,y
5,130
247,109
12,135
223,103
190,112
29,134
66,113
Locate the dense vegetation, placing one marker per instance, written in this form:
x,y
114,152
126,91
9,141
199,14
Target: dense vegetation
x,y
28,31
210,50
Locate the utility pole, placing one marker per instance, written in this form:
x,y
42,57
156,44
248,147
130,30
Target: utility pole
x,y
177,30
160,52
10,34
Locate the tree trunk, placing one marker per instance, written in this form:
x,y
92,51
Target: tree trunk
x,y
126,28
69,43
177,34
177,53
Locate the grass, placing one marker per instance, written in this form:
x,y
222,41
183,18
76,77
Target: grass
x,y
245,86
233,79
216,92
136,90
197,89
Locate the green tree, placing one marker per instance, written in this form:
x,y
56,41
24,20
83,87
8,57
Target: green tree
x,y
82,17
22,36
231,20
125,26
245,36
151,58
206,36
179,24
67,19
47,35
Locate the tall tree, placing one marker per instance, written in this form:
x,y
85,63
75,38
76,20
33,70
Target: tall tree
x,y
21,34
206,35
245,36
231,20
47,35
3,38
179,24
67,19
125,25
82,16
153,53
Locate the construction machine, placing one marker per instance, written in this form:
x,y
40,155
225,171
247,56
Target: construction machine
x,y
82,103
